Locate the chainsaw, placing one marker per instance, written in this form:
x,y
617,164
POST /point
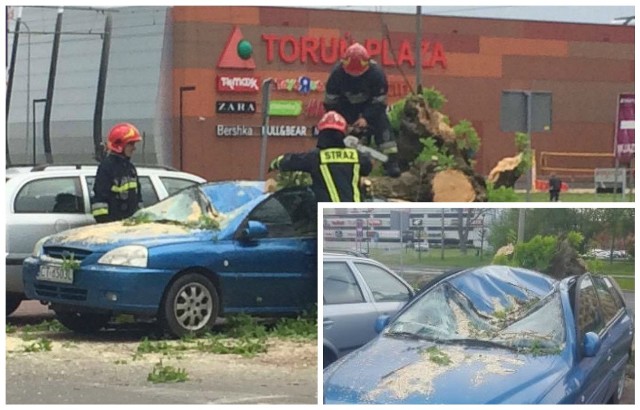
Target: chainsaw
x,y
351,141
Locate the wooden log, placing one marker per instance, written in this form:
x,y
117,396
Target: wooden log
x,y
506,172
452,185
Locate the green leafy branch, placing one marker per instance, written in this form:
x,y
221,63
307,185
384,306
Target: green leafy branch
x,y
70,262
431,153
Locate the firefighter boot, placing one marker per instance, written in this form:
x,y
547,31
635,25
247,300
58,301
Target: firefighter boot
x,y
391,167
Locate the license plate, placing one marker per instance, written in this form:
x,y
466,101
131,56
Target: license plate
x,y
54,273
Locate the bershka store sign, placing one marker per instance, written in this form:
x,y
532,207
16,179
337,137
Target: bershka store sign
x,y
321,50
235,107
272,131
238,84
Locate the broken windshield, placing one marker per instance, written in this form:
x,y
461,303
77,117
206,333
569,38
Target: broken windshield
x,y
201,207
446,314
189,207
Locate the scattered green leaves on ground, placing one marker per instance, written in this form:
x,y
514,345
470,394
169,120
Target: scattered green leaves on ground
x,y
45,326
167,374
42,345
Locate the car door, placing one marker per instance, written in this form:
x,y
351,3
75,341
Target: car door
x,y
348,314
42,207
389,294
618,332
595,371
276,273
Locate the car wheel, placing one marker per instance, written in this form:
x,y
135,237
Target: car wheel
x,y
13,301
81,322
190,305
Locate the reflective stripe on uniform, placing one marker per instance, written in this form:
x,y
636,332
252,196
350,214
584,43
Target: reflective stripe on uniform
x,y
99,212
328,181
389,147
124,187
99,208
356,180
381,99
339,156
331,98
98,205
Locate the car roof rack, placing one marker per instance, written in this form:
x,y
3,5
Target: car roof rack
x,y
42,167
345,252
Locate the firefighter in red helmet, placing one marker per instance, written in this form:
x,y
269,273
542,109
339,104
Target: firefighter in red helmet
x,y
335,170
117,188
357,89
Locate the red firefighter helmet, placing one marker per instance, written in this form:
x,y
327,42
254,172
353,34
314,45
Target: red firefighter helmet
x,y
122,134
333,120
356,60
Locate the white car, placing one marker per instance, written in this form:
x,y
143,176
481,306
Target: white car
x,y
356,290
49,199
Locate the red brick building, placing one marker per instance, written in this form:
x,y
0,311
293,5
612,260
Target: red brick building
x,y
470,60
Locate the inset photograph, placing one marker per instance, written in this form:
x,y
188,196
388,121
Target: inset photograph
x,y
478,305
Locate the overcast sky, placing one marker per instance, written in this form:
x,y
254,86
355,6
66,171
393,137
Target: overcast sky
x,y
582,14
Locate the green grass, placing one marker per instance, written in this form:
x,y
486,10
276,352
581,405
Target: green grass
x,y
576,197
626,284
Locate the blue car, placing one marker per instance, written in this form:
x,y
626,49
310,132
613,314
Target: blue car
x,y
494,334
207,251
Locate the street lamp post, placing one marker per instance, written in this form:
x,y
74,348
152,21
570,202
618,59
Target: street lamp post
x,y
35,101
182,90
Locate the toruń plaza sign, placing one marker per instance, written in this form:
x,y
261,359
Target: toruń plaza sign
x,y
322,50
318,50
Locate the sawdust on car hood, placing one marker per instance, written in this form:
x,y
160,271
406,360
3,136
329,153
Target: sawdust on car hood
x,y
419,377
114,231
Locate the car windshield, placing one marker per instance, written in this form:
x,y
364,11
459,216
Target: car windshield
x,y
192,208
446,314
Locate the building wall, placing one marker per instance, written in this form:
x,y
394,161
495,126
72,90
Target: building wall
x,y
132,87
584,66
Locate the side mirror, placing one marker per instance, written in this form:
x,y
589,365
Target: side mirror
x,y
255,230
382,322
590,344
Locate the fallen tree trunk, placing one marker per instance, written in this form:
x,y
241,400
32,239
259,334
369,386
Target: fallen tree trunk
x,y
506,172
446,176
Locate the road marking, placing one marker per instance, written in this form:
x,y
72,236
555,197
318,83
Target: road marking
x,y
249,399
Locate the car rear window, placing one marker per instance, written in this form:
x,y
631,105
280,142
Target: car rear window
x,y
173,185
339,284
50,195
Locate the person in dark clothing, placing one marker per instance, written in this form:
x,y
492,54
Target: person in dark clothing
x,y
335,170
357,89
554,188
117,188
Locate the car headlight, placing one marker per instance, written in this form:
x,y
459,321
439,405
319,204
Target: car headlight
x,y
38,248
130,255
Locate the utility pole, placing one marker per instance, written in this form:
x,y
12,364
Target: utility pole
x,y
418,50
521,217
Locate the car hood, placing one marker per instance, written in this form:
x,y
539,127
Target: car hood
x,y
408,371
118,234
